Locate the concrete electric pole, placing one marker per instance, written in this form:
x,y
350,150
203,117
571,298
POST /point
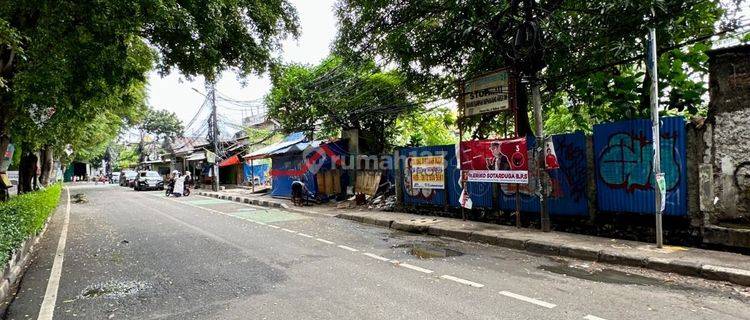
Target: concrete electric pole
x,y
660,187
213,124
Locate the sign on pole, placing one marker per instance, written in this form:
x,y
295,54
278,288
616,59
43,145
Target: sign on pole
x,y
427,172
488,93
210,157
498,161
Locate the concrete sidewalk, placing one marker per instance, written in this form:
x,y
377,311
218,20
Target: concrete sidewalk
x,y
709,264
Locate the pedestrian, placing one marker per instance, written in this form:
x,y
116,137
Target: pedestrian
x,y
300,194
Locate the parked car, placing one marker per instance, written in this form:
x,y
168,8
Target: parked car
x,y
127,178
115,177
149,180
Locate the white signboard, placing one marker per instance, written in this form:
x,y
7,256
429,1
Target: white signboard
x,y
498,176
486,94
427,172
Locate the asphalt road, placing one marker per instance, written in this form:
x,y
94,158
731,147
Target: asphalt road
x,y
139,255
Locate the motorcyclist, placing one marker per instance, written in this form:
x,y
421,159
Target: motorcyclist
x,y
172,178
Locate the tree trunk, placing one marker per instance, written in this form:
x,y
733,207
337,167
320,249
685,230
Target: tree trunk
x,y
47,162
523,125
26,172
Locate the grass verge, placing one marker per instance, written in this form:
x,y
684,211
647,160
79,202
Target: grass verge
x,y
24,216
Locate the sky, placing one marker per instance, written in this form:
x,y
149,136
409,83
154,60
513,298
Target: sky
x,y
176,94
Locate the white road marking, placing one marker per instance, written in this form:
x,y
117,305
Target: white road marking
x,y
591,317
273,226
47,309
260,223
462,281
527,299
288,230
348,248
411,266
304,235
375,256
324,241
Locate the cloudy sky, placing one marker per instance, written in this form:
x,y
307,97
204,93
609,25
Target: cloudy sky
x,y
318,29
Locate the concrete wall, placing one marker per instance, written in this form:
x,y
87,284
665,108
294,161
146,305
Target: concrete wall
x,y
729,138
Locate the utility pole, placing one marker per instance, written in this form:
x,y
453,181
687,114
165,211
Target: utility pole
x,y
215,137
536,101
660,187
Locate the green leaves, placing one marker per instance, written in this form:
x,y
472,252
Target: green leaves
x,y
591,48
88,60
338,94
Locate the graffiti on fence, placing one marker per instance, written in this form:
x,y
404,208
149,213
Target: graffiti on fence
x,y
627,161
572,159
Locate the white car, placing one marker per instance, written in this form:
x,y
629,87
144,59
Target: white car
x,y
149,180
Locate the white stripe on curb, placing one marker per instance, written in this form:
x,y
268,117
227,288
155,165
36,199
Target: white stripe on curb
x,y
324,241
273,226
47,310
462,281
375,256
348,248
527,299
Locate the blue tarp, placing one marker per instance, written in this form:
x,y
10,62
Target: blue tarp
x,y
295,160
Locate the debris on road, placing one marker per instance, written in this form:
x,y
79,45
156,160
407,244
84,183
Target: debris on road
x,y
80,198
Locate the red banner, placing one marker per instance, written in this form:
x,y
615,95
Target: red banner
x,y
499,161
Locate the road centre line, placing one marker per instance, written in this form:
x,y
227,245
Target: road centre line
x,y
304,235
375,256
592,317
47,310
462,281
347,248
324,241
411,266
527,299
289,230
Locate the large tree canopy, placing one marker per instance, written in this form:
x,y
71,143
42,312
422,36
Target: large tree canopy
x,y
337,95
80,61
589,52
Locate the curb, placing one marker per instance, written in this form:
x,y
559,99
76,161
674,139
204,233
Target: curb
x,y
247,200
14,269
526,242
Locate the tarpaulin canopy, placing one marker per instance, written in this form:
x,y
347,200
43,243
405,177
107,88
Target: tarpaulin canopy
x,y
265,152
296,148
233,160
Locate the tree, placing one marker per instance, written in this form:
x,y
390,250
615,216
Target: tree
x,y
588,53
337,95
426,128
162,125
65,64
